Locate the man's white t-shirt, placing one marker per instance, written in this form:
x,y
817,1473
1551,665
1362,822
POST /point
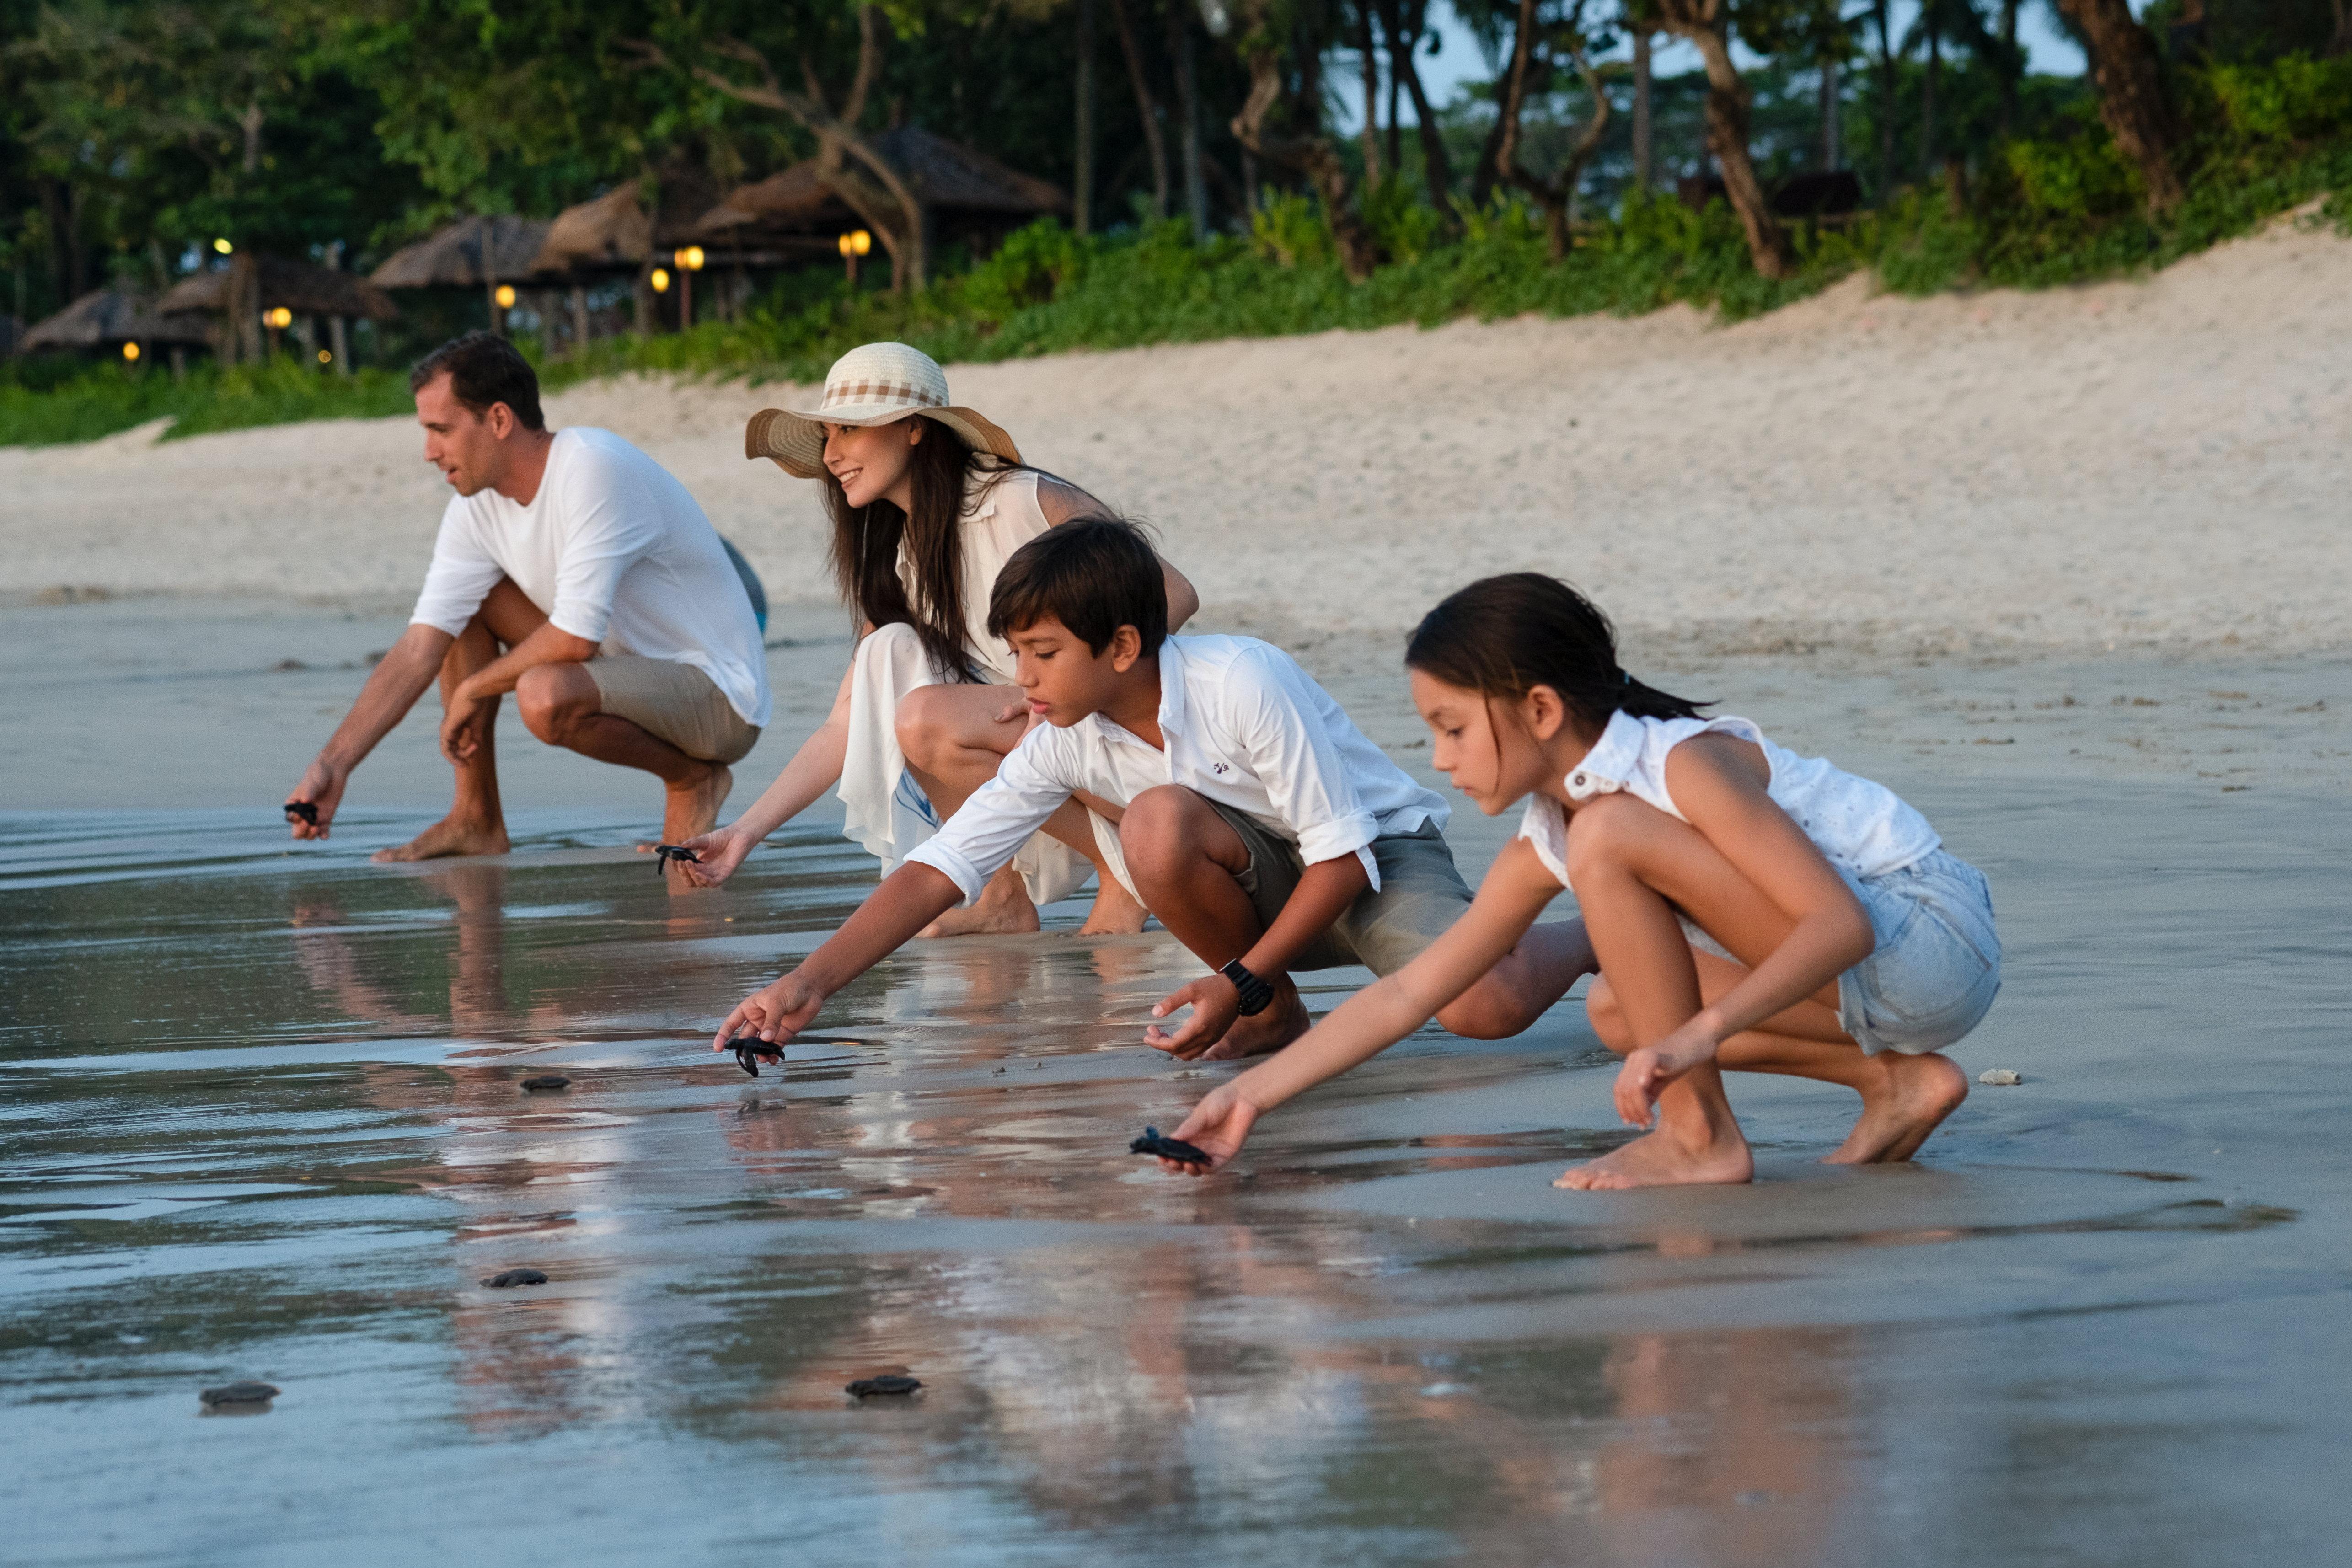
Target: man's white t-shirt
x,y
613,550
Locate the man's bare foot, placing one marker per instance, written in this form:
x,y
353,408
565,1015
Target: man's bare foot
x,y
1917,1094
1004,910
1661,1159
1284,1020
691,809
1116,913
450,836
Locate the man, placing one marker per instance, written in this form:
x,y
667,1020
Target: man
x,y
574,571
1266,833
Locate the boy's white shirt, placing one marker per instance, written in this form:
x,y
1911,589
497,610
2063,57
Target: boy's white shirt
x,y
1246,727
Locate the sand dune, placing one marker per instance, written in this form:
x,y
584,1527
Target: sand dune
x,y
2150,464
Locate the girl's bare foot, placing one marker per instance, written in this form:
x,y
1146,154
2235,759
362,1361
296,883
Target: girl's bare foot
x,y
1914,1097
1662,1159
452,835
1004,910
1284,1020
1116,913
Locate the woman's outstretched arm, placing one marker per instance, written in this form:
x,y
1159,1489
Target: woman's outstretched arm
x,y
815,768
1514,892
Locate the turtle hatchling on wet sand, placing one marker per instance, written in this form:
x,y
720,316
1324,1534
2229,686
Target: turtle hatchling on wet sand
x,y
889,1382
236,1395
509,1277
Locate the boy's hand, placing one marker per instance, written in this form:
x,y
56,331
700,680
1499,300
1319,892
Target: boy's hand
x,y
775,1013
721,848
1218,1127
1215,1005
323,787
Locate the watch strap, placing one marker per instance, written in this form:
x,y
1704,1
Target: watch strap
x,y
1255,994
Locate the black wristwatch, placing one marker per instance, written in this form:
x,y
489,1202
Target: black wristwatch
x,y
1256,995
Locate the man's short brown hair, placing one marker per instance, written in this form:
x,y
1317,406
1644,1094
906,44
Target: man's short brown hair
x,y
484,369
1094,575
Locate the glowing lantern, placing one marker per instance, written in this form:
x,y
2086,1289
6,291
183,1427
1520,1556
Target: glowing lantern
x,y
325,358
858,242
223,247
660,280
281,317
505,296
131,352
689,259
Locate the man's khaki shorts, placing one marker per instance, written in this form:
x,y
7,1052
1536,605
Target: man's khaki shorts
x,y
674,701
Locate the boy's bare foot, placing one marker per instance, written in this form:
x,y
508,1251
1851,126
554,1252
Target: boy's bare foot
x,y
1284,1020
1116,913
1661,1159
1916,1095
452,835
1004,910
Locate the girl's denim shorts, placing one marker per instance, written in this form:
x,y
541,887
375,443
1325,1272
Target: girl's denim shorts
x,y
1937,967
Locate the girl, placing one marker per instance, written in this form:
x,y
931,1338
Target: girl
x,y
927,501
1746,907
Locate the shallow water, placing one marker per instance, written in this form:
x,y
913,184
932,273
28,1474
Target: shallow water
x,y
261,1118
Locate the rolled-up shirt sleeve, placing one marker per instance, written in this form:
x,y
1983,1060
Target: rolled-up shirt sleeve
x,y
462,574
982,839
1306,781
617,523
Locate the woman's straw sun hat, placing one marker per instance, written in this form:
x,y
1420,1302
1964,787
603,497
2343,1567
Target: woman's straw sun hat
x,y
879,383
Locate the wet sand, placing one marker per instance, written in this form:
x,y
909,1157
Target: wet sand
x,y
262,1117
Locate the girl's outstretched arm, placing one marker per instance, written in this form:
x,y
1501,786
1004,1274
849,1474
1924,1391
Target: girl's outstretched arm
x,y
815,768
1509,900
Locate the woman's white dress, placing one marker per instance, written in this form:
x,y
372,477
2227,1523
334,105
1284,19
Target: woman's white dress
x,y
886,811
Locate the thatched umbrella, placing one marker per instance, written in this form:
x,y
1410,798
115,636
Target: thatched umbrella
x,y
612,234
107,318
964,193
472,253
255,282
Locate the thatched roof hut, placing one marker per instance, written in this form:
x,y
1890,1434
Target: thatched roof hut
x,y
469,253
302,286
964,188
613,232
106,317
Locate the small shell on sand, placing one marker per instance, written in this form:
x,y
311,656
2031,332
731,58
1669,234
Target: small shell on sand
x,y
1998,1077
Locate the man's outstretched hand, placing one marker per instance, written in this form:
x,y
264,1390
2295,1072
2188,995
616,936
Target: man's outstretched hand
x,y
775,1013
1218,1127
323,787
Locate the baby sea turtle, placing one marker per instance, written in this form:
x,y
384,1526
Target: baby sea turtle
x,y
305,811
547,1080
751,1050
510,1278
1156,1143
665,853
238,1393
887,1384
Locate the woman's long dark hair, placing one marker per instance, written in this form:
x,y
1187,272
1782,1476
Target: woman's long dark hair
x,y
866,547
1504,636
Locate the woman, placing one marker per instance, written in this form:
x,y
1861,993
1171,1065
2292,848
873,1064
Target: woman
x,y
926,500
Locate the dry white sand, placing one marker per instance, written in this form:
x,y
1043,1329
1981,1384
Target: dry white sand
x,y
2162,464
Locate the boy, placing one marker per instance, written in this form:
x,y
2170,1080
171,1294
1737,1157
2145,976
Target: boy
x,y
1266,833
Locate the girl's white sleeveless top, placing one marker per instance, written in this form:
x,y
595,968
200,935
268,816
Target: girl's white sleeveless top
x,y
999,515
1864,829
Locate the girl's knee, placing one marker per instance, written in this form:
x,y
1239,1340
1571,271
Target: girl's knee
x,y
922,725
1606,831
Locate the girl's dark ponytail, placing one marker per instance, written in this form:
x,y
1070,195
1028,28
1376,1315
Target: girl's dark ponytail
x,y
1504,636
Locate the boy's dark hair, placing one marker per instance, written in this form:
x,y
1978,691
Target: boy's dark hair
x,y
1094,575
1504,636
483,369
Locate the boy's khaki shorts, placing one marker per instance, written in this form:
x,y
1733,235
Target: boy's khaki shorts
x,y
674,701
1421,895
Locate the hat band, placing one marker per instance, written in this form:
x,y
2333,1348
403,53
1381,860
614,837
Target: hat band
x,y
841,395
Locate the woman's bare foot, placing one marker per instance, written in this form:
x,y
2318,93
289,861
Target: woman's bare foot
x,y
1662,1159
1004,910
452,835
1284,1020
1916,1095
1116,913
